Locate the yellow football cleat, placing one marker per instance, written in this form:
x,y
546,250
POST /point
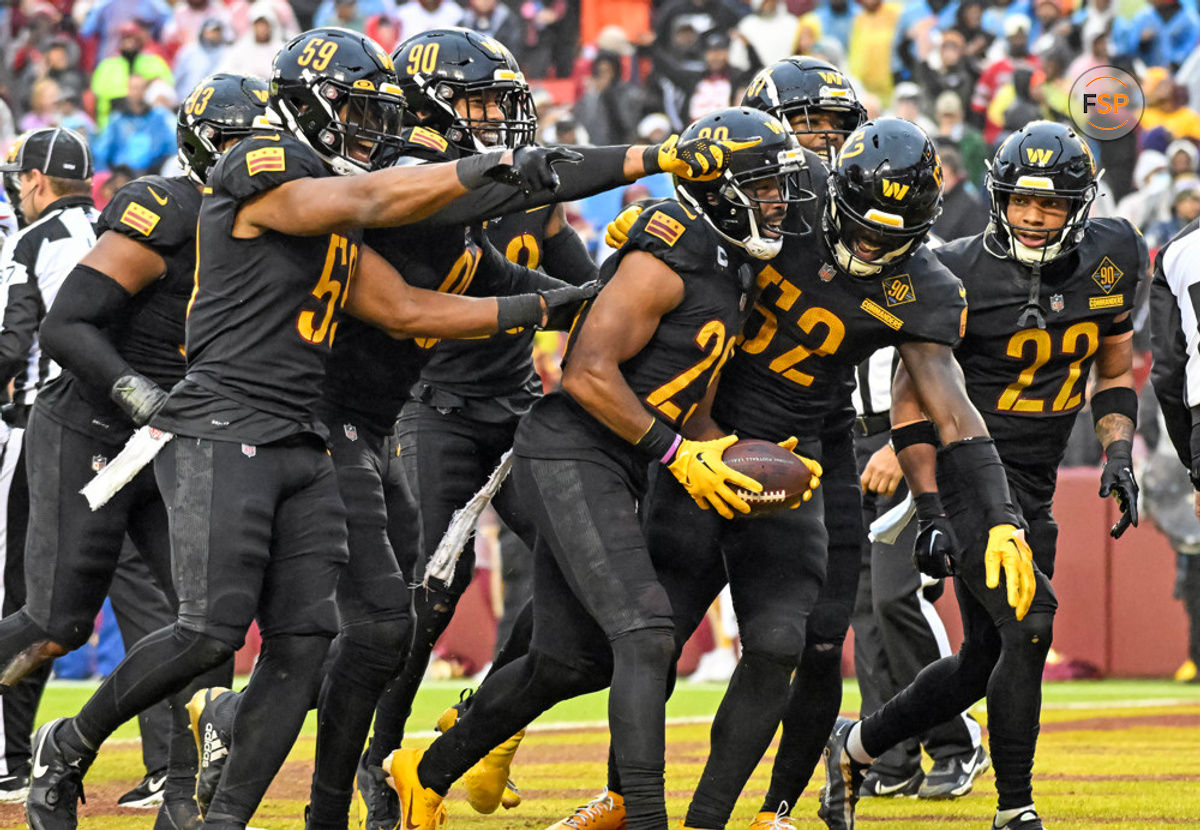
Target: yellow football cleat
x,y
1186,673
778,820
511,797
420,807
486,782
604,812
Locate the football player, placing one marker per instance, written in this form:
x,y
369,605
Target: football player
x,y
257,525
1051,293
640,361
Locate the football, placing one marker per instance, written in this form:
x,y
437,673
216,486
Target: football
x,y
784,477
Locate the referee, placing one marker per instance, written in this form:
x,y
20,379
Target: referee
x,y
50,171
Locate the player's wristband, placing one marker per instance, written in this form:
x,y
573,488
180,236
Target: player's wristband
x,y
1116,400
650,159
929,506
972,467
518,310
918,432
1120,450
659,442
473,170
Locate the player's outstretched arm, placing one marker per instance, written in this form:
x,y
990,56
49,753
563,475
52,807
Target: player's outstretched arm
x,y
1114,406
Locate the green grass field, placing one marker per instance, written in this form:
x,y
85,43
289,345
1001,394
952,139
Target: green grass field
x,y
1112,754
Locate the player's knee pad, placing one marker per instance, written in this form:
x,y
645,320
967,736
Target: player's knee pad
x,y
646,647
822,658
203,650
780,640
370,650
758,667
828,623
1032,635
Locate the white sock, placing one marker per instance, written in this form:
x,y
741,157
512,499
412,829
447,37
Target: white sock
x,y
854,745
1003,817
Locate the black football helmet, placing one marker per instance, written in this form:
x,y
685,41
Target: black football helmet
x,y
336,91
802,86
885,193
439,67
1040,159
220,108
739,203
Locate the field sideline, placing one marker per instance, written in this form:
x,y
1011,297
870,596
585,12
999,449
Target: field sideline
x,y
1113,754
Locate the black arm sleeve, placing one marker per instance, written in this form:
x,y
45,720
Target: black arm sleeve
x,y
74,331
501,277
568,259
602,168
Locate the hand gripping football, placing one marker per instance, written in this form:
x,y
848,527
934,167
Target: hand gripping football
x,y
784,477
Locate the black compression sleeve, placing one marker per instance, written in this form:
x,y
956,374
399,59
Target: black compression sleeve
x,y
1118,400
499,276
602,168
972,466
73,332
567,258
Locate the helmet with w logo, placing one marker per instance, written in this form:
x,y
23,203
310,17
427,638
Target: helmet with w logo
x,y
1041,160
812,97
220,108
885,193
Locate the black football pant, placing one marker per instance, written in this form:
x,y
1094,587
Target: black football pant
x,y
447,457
373,604
1187,589
256,533
598,609
1000,658
72,555
897,632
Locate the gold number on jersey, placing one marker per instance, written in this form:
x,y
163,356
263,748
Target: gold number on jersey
x,y
422,58
524,243
317,53
711,338
457,281
344,254
785,364
1011,400
197,102
715,133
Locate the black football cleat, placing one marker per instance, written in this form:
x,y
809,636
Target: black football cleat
x,y
147,794
1027,820
843,778
178,815
211,712
883,785
56,782
955,776
378,804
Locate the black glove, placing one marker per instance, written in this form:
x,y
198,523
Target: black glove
x,y
532,168
563,304
138,396
936,546
1117,480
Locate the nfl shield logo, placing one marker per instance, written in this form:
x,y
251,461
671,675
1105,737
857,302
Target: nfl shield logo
x,y
156,433
826,273
99,462
249,450
351,431
1056,302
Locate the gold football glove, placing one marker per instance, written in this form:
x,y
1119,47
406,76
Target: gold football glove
x,y
699,159
699,468
1007,548
813,467
617,232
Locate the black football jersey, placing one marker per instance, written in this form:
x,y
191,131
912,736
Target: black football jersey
x,y
500,366
159,213
1029,383
812,325
264,311
687,351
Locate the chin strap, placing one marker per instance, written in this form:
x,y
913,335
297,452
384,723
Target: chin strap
x,y
1031,312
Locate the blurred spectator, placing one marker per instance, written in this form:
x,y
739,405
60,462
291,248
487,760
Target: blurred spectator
x,y
609,107
1019,101
492,17
969,22
1164,107
254,51
201,59
908,104
963,212
711,85
1149,202
109,20
998,73
1095,49
770,29
871,39
418,16
57,62
111,78
138,135
43,106
947,70
188,21
1056,84
653,129
702,16
549,37
1185,207
1163,33
346,14
73,116
1049,23
916,31
107,184
1182,159
808,35
383,30
33,37
837,19
952,130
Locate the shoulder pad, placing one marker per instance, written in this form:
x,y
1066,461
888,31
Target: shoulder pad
x,y
263,161
929,298
670,231
157,212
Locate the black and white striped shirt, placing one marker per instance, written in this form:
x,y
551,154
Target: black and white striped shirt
x,y
33,265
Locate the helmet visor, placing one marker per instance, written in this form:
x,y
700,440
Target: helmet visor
x,y
367,122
